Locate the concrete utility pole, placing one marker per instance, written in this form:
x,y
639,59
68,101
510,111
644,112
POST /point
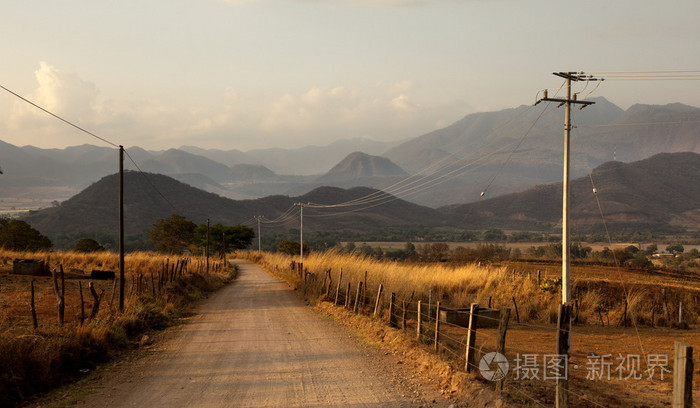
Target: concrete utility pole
x,y
565,238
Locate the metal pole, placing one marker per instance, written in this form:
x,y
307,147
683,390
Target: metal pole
x,y
301,235
121,228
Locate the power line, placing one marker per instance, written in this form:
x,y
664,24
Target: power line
x,y
150,182
91,134
60,118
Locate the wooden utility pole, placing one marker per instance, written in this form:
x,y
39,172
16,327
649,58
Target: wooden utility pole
x,y
565,238
301,234
259,217
206,249
121,228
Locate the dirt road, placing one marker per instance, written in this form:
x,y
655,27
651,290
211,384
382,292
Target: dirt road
x,y
256,344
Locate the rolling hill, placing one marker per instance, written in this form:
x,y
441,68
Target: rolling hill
x,y
150,197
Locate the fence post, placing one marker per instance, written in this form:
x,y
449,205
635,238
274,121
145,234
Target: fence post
x,y
683,376
501,344
337,289
517,315
470,355
667,315
437,325
378,303
392,301
82,303
357,298
32,309
403,316
563,336
347,297
418,321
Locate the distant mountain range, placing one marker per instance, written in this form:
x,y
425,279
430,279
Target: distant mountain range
x,y
657,194
491,152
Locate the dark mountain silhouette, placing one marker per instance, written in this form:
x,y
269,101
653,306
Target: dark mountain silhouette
x,y
94,210
659,193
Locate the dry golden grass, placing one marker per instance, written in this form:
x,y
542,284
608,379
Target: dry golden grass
x,y
34,360
459,285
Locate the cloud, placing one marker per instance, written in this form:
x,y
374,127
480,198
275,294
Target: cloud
x,y
62,93
229,119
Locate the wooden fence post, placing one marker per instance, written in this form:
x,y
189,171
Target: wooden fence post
x,y
437,325
32,309
667,315
418,321
347,297
403,315
563,346
337,289
392,301
82,303
364,290
60,292
683,376
96,304
539,278
357,298
517,315
378,303
470,353
501,343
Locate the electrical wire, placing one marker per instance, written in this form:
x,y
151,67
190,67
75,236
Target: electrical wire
x,y
149,181
59,118
617,263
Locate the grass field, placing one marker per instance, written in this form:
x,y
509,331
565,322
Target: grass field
x,y
631,348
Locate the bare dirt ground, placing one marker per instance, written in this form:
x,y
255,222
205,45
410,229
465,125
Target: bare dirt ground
x,y
256,344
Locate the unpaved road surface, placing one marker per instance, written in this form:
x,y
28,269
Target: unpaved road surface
x,y
256,344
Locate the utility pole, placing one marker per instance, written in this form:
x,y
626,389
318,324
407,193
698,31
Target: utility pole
x,y
564,321
206,249
259,217
121,228
301,234
565,237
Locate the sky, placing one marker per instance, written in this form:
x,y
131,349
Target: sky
x,y
248,74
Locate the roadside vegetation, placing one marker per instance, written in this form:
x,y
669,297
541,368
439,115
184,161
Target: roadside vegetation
x,y
157,294
603,293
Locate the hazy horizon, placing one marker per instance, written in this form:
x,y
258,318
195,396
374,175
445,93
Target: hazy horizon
x,y
252,74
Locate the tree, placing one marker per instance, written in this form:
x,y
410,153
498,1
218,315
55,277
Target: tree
x,y
172,234
220,237
290,247
17,235
675,249
438,251
88,245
